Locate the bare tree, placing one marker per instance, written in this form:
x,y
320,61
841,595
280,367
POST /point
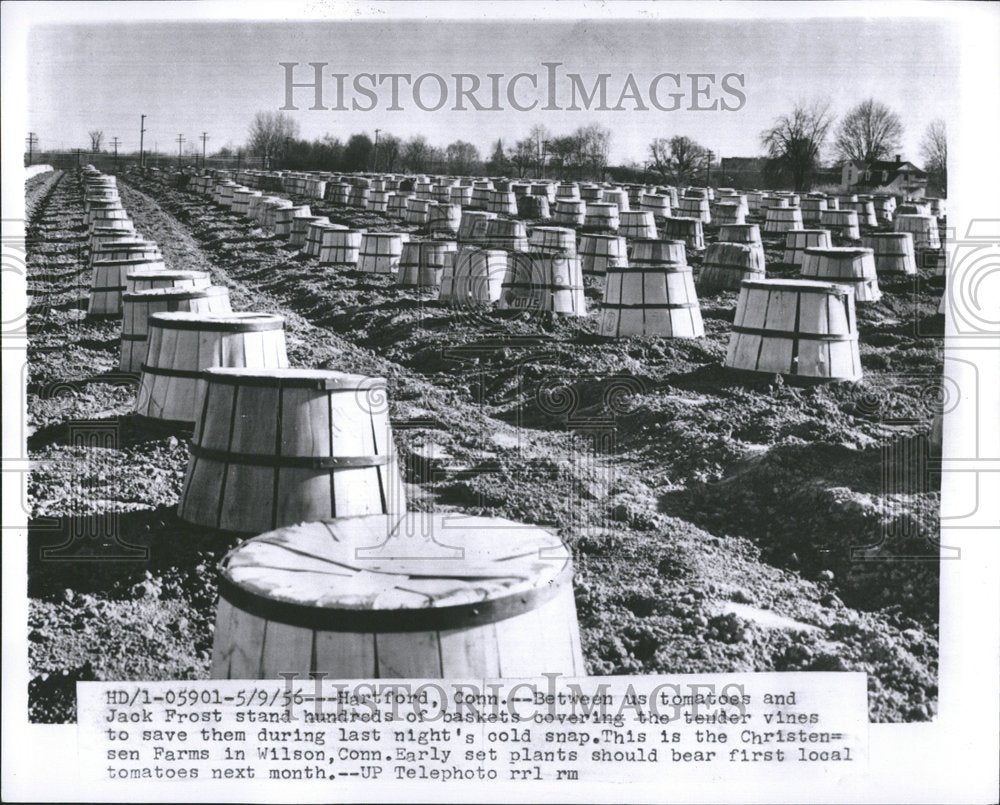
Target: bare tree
x,y
96,138
270,132
417,154
523,156
462,157
869,132
390,148
795,140
678,159
539,135
934,152
595,144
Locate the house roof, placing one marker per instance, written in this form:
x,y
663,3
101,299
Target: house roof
x,y
890,166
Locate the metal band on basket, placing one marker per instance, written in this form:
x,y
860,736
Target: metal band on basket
x,y
794,334
292,462
427,619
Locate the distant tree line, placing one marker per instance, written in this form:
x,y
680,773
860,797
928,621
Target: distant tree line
x,y
274,138
793,148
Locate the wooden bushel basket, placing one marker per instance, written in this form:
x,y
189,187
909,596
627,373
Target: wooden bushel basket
x,y
443,219
300,229
552,240
340,246
314,598
636,224
923,228
417,211
358,198
108,281
505,234
865,211
779,220
272,209
797,328
602,217
182,345
854,268
551,283
616,196
480,198
688,207
380,252
726,265
255,204
423,263
315,233
378,201
337,193
546,190
284,219
104,235
567,190
138,306
798,240
649,252
740,233
441,192
476,279
502,202
894,252
843,223
811,209
127,248
570,212
599,253
460,195
274,447
728,212
688,230
105,225
467,225
111,210
656,204
147,280
533,207
651,300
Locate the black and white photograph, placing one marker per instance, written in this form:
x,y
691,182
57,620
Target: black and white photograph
x,y
563,342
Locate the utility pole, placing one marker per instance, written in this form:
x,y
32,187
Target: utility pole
x,y
142,132
204,137
375,153
114,142
239,158
180,146
32,142
708,169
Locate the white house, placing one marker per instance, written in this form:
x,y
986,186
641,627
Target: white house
x,y
899,177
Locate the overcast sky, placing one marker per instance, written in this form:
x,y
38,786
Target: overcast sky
x,y
194,77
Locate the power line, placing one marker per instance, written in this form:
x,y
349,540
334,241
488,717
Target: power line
x,y
32,139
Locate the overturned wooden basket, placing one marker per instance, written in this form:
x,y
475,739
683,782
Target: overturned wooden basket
x,y
367,597
273,447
